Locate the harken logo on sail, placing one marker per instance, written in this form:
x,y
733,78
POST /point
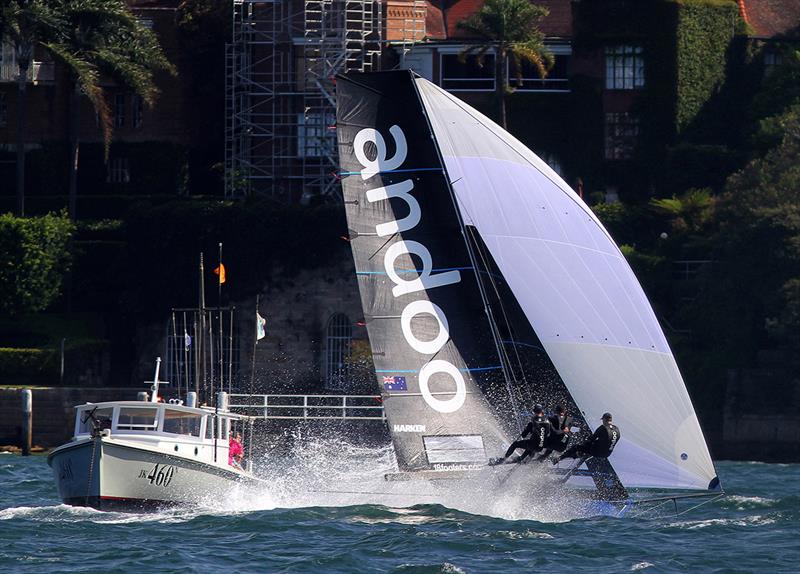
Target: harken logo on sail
x,y
369,142
408,428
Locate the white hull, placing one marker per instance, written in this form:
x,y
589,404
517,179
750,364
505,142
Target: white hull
x,y
109,473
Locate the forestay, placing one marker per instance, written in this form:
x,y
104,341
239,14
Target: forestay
x,y
577,291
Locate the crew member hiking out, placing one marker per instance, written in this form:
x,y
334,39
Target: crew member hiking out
x,y
558,440
601,444
538,430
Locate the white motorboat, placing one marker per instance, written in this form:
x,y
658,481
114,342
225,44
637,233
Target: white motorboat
x,y
148,454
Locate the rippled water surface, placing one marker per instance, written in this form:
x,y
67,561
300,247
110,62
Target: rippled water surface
x,y
320,515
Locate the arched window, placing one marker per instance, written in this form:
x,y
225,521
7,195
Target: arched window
x,y
338,335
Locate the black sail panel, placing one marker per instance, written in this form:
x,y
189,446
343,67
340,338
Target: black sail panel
x,y
431,340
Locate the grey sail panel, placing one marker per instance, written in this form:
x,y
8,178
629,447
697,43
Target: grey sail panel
x,y
432,346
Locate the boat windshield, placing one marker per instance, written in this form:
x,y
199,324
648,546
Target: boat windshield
x,y
138,418
178,422
102,416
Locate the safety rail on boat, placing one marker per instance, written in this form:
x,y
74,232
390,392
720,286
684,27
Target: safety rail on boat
x,y
309,407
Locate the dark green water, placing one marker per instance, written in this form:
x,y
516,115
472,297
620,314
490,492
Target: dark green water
x,y
755,528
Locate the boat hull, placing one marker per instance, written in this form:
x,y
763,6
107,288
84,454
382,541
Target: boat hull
x,y
111,475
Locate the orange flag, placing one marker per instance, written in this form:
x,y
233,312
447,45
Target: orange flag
x,y
221,272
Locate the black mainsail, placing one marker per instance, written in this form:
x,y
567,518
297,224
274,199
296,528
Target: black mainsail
x,y
432,345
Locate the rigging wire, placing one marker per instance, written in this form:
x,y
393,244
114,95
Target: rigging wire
x,y
493,283
501,347
471,254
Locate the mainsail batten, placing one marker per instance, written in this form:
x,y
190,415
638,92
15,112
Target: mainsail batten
x,y
578,293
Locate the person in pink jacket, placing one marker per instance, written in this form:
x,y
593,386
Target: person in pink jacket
x,y
235,450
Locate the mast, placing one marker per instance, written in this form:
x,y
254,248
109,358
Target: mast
x,y
473,260
255,342
219,319
230,351
200,347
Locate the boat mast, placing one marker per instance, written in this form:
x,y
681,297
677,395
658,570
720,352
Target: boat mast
x,y
201,330
473,260
219,318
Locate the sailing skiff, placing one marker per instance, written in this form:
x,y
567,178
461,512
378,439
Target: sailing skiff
x,y
487,286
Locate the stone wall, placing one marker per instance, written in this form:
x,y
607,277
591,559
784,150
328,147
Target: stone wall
x,y
762,414
53,411
297,310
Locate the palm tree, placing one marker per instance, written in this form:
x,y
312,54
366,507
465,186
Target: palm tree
x,y
509,30
24,24
101,39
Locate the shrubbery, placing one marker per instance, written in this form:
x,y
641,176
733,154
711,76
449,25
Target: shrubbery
x,y
35,258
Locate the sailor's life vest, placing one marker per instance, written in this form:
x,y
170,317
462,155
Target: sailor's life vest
x,y
540,429
604,440
558,438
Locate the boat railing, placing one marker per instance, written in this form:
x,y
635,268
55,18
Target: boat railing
x,y
309,407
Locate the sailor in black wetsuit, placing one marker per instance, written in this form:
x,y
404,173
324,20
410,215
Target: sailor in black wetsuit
x,y
601,444
538,430
559,437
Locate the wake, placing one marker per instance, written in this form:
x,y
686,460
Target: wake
x,y
334,473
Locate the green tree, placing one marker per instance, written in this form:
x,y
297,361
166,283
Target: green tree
x,y
509,30
689,212
35,258
752,296
99,40
24,24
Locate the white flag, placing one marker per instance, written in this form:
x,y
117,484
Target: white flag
x,y
187,340
260,324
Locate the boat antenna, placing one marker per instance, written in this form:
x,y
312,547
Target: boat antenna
x,y
154,386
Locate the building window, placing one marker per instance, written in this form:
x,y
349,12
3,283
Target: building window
x,y
622,133
119,110
557,79
137,109
8,62
118,171
336,359
624,68
3,110
772,60
467,75
315,135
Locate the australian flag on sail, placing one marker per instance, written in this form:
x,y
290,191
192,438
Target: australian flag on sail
x,y
394,384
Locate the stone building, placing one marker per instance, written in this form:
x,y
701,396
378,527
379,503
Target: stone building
x,y
315,338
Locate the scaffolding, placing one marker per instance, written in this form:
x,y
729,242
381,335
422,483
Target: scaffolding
x,y
280,137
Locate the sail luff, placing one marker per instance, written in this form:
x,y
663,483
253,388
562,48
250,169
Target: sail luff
x,y
473,260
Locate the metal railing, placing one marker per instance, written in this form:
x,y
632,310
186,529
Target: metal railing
x,y
309,407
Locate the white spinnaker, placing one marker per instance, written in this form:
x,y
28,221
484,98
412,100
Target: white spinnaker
x,y
578,293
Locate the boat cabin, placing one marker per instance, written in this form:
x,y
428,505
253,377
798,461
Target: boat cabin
x,y
169,428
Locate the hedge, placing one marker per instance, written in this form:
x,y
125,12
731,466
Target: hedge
x,y
30,366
